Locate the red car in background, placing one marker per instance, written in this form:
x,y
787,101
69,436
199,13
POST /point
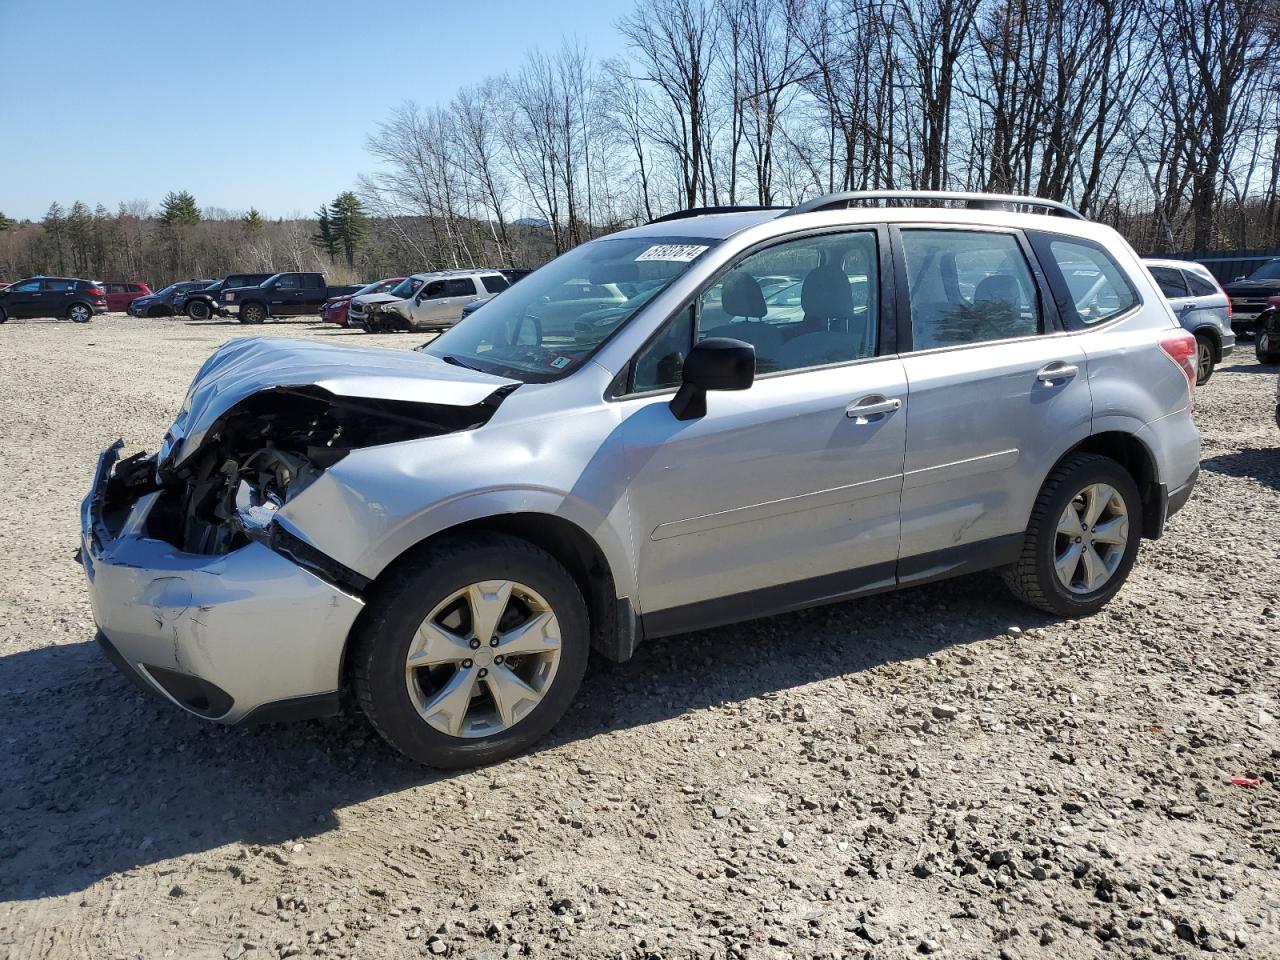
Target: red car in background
x,y
335,309
121,293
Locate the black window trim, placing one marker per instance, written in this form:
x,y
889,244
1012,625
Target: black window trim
x,y
1051,322
1040,240
621,387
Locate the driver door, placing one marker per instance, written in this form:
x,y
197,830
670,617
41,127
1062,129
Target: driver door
x,y
787,493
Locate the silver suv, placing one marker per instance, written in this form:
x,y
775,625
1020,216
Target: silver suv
x,y
699,421
1201,306
439,301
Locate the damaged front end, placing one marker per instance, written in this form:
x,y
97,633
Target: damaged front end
x,y
265,451
199,593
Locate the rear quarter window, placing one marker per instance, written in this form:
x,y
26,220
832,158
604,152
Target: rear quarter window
x,y
1088,285
1200,287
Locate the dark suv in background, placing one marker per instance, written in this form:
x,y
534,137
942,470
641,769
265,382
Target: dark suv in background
x,y
52,297
201,304
1249,296
160,303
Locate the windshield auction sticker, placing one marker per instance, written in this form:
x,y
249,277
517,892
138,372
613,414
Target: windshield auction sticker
x,y
672,252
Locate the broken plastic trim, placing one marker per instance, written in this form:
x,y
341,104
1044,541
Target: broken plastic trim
x,y
310,559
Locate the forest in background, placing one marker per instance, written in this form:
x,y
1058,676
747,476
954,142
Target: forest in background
x,y
1159,117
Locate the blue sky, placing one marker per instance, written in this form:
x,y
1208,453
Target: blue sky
x,y
243,103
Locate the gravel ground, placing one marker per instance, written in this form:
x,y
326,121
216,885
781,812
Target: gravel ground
x,y
938,771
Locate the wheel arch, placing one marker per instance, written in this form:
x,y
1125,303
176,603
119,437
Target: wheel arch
x,y
1130,452
1214,336
614,625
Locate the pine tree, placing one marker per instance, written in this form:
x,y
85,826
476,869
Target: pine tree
x,y
80,236
350,225
179,209
6,223
253,220
324,237
55,227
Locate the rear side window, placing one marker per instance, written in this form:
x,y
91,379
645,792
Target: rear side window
x,y
460,287
311,281
134,288
968,287
1200,287
60,286
1170,281
495,283
1088,284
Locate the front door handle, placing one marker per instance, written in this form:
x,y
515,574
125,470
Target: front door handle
x,y
1057,372
861,410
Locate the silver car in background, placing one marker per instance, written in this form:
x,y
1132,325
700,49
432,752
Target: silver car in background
x,y
1201,306
439,302
710,418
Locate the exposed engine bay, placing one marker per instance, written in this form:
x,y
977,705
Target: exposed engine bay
x,y
264,451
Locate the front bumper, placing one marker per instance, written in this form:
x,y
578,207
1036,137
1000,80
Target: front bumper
x,y
243,635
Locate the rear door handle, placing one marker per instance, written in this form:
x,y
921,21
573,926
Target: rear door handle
x,y
1058,371
870,407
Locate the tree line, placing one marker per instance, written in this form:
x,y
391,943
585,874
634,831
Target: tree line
x,y
1159,117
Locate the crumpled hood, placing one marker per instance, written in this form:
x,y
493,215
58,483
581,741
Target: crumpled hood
x,y
249,365
369,298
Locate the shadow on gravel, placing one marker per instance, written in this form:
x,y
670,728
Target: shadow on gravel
x,y
1251,463
99,778
1268,368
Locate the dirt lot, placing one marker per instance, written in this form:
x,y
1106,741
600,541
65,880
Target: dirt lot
x,y
939,771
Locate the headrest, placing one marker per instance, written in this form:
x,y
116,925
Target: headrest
x,y
826,293
997,288
741,296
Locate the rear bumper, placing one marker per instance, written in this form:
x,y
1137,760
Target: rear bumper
x,y
235,637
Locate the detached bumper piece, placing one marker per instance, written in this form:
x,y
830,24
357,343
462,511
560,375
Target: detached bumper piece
x,y
246,635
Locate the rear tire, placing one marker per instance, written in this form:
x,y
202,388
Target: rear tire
x,y
409,705
1097,568
253,313
79,313
3,316
198,310
1204,360
1265,347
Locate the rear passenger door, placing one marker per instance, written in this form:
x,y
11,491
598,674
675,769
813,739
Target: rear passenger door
x,y
1173,285
314,293
286,295
58,295
458,292
996,393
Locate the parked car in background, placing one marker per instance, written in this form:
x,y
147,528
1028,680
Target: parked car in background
x,y
1249,296
291,294
445,535
3,284
511,275
335,309
160,303
201,303
362,311
1266,333
439,303
52,297
1201,306
121,293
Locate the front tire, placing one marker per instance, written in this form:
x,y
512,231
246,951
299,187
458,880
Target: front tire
x,y
1204,360
1265,347
3,316
79,313
253,313
198,310
1082,539
473,653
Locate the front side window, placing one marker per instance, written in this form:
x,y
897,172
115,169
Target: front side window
x,y
1096,289
289,281
29,286
117,288
802,303
1170,281
968,287
549,323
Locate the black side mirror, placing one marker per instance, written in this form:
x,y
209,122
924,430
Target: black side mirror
x,y
718,363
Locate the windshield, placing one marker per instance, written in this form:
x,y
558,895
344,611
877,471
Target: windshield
x,y
545,326
1268,271
406,288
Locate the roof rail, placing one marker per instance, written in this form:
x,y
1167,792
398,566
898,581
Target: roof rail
x,y
700,211
976,201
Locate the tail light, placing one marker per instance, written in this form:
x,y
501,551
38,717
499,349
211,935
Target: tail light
x,y
1180,347
97,292
1223,292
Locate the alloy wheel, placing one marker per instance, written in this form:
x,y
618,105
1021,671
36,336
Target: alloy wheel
x,y
483,659
1204,361
79,313
1092,534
